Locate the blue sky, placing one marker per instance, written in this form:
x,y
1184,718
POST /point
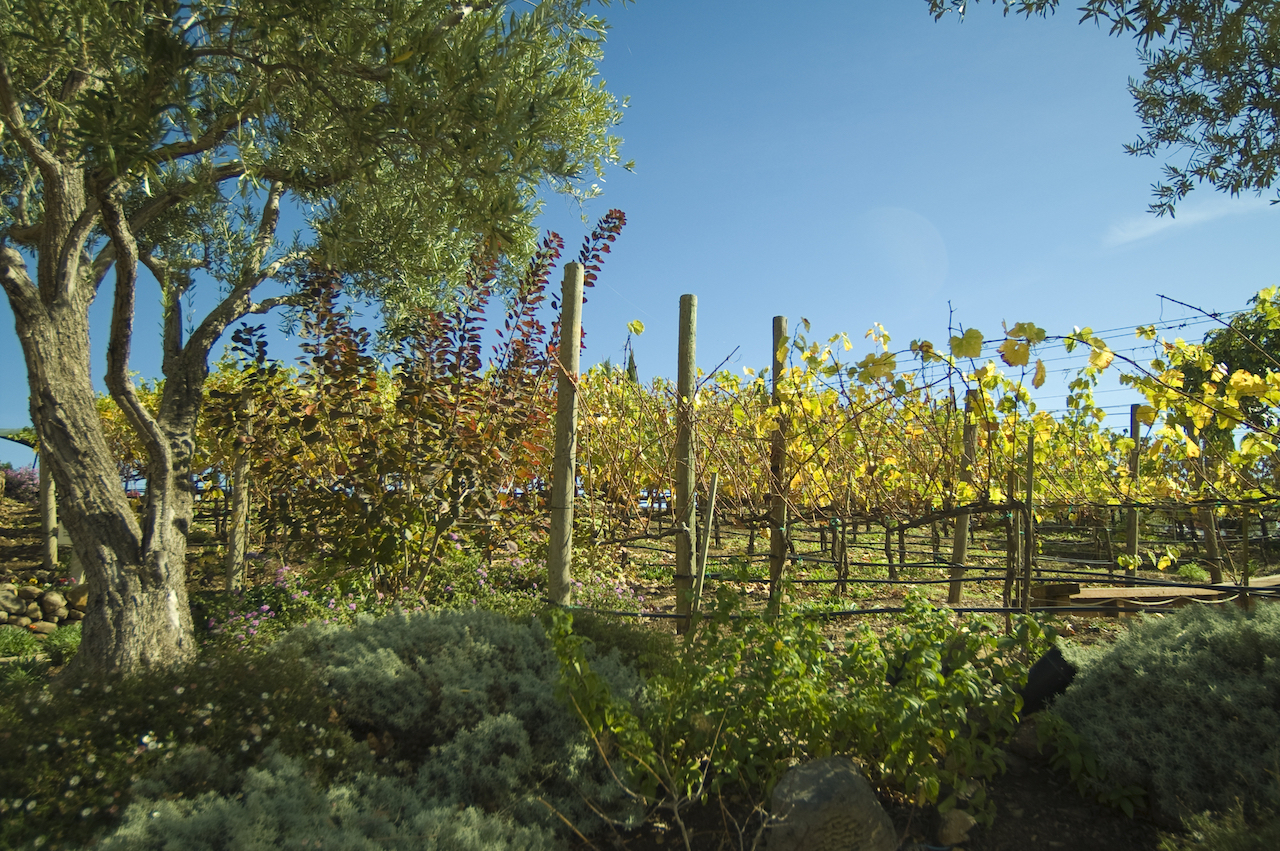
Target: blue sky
x,y
856,163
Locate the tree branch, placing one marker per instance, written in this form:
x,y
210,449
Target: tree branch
x,y
155,208
266,230
11,117
17,284
213,135
118,344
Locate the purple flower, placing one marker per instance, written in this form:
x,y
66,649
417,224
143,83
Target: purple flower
x,y
351,606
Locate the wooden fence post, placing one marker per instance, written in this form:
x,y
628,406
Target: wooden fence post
x,y
960,541
777,473
1029,519
686,522
1012,526
1131,531
563,479
48,514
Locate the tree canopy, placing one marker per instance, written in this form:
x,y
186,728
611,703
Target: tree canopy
x,y
1209,89
412,136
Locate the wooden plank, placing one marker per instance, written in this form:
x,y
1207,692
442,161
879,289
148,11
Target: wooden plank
x,y
1147,593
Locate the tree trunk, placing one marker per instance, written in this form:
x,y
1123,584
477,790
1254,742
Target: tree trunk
x,y
138,616
239,530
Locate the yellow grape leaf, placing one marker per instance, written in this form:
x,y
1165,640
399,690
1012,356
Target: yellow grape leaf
x,y
1146,415
1028,331
1037,381
635,327
968,346
1101,356
1014,352
1145,332
1247,384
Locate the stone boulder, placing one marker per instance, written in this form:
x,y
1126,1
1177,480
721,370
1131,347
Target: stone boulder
x,y
77,596
50,602
829,805
10,602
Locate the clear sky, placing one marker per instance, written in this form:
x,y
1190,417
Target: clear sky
x,y
856,162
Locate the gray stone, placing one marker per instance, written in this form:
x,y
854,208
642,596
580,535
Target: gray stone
x,y
77,596
11,603
51,601
828,805
4,616
75,615
33,611
954,827
43,627
28,592
57,614
19,620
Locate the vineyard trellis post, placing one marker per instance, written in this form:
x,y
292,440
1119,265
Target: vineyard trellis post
x,y
777,471
48,514
563,480
1131,528
960,541
1029,520
686,522
1012,525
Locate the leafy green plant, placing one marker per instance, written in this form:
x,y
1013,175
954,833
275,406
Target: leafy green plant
x,y
63,643
1193,573
1071,753
16,641
924,707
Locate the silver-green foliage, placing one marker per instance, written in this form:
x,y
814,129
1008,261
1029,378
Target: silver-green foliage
x,y
464,701
1186,706
280,807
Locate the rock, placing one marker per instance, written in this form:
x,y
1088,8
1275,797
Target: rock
x,y
954,827
19,620
33,611
11,603
77,596
1016,765
828,805
1025,743
43,627
74,615
4,616
1048,678
28,592
59,614
51,601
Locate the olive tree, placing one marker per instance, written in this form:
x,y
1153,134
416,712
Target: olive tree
x,y
410,135
1210,88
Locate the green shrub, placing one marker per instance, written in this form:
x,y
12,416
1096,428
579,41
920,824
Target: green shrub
x,y
1185,705
16,641
63,643
280,806
1230,831
76,753
465,701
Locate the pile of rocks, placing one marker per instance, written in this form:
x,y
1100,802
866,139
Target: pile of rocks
x,y
41,610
